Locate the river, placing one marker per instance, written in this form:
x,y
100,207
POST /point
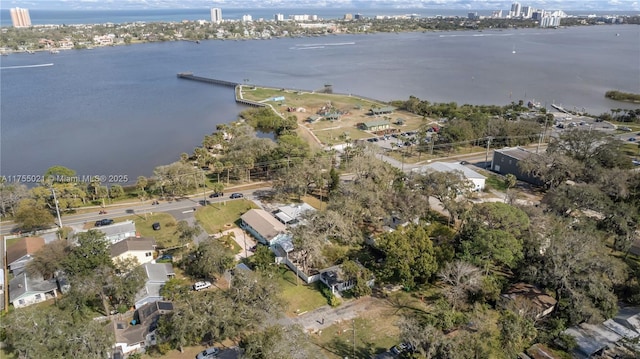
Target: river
x,y
122,110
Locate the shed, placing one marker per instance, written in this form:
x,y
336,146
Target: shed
x,y
376,125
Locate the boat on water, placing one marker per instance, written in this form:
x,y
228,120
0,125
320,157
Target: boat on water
x,y
54,51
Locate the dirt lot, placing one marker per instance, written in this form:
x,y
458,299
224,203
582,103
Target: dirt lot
x,y
352,111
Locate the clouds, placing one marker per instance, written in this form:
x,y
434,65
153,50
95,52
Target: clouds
x,y
612,5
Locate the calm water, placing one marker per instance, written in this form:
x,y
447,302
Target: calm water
x,y
122,110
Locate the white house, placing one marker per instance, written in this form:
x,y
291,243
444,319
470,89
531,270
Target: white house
x,y
141,249
262,225
474,177
291,214
25,291
137,333
116,232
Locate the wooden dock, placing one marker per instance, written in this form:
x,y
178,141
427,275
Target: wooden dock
x,y
235,85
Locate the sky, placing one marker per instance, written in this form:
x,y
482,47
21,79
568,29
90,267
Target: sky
x,y
610,5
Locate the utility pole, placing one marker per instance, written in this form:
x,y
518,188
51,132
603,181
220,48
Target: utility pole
x,y
486,156
354,337
55,199
204,190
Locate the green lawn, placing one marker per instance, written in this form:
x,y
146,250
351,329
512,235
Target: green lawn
x,y
216,217
374,333
165,237
300,298
495,182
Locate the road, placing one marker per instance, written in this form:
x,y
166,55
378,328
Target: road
x,y
175,207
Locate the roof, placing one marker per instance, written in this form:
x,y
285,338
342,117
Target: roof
x,y
24,246
132,244
263,222
450,167
23,284
531,293
518,153
117,228
291,212
377,123
158,272
591,338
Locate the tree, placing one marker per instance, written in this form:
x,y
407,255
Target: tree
x,y
116,191
35,330
187,233
263,259
30,216
10,195
91,252
450,188
409,256
141,185
286,342
59,174
516,333
210,259
49,259
463,279
355,271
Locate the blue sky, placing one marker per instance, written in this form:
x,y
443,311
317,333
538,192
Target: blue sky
x,y
611,5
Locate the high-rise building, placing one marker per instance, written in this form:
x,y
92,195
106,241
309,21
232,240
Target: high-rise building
x,y
247,18
472,16
515,9
20,17
550,21
527,12
216,15
348,16
279,17
496,14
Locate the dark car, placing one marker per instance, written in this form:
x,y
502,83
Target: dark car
x,y
156,226
217,194
104,222
236,195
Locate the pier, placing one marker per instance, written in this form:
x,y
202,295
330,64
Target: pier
x,y
235,85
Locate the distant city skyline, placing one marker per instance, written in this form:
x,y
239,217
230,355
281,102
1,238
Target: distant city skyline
x,y
571,5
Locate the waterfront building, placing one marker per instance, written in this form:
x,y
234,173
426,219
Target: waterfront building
x,y
247,18
550,21
278,17
216,15
348,16
20,17
527,12
515,9
538,15
472,16
358,17
496,14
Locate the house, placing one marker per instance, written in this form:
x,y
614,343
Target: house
x,y
612,336
25,290
381,110
21,252
138,333
506,161
331,116
142,249
157,275
334,278
290,214
477,180
116,232
314,118
380,125
529,296
262,225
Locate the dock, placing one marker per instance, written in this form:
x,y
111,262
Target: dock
x,y
235,85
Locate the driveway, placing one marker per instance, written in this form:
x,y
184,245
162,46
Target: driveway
x,y
244,240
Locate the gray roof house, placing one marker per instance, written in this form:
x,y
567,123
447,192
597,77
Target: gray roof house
x,y
135,334
25,291
116,232
262,225
158,274
474,177
506,161
290,214
334,278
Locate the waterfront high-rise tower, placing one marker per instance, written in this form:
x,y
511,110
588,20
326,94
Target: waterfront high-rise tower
x,y
515,9
20,17
216,15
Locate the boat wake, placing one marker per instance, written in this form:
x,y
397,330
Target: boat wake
x,y
321,46
24,66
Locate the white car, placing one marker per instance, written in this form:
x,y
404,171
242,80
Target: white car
x,y
201,285
208,353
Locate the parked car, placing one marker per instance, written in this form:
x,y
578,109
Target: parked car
x,y
156,226
104,222
632,139
201,285
217,194
625,129
236,195
208,353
